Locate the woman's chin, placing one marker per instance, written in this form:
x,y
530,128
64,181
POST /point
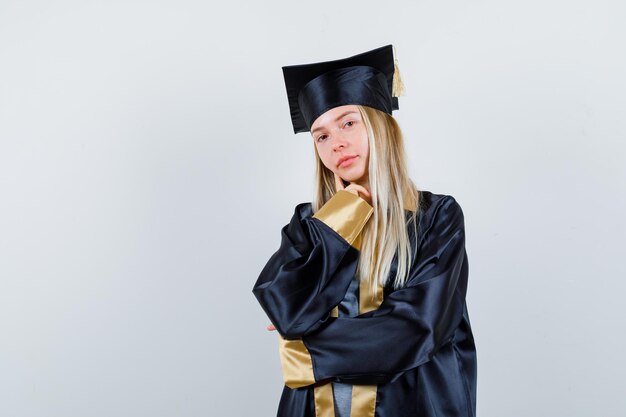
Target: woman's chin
x,y
350,175
353,179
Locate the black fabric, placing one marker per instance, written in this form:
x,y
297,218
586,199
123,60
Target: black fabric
x,y
351,85
364,79
417,346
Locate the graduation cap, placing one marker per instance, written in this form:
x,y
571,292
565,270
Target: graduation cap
x,y
369,79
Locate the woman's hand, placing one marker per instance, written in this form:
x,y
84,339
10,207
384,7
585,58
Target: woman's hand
x,y
354,189
270,327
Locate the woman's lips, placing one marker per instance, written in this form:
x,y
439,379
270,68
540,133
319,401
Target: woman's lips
x,y
347,162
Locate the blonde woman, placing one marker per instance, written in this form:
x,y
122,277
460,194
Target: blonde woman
x,y
367,289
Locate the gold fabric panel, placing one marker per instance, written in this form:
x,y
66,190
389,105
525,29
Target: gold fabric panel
x,y
346,214
357,242
296,363
363,401
324,403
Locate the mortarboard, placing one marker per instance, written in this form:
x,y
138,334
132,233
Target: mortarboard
x,y
370,79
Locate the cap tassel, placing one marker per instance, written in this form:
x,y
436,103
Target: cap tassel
x,y
397,89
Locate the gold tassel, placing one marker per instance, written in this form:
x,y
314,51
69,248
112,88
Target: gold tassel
x,y
397,86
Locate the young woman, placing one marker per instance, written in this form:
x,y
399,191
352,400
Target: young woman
x,y
367,289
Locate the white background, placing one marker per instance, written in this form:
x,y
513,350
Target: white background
x,y
147,164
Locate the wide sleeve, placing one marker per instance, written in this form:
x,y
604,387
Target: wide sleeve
x,y
412,322
311,270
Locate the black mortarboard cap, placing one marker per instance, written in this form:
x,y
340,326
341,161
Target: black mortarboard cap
x,y
366,79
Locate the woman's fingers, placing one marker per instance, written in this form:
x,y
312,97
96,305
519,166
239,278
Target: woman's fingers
x,y
353,188
271,327
338,182
360,189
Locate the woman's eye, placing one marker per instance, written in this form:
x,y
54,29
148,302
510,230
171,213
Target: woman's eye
x,y
349,123
321,137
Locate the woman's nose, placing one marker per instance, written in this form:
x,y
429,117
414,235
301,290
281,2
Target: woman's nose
x,y
339,141
338,144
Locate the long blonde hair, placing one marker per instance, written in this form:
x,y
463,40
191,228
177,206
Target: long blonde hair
x,y
385,235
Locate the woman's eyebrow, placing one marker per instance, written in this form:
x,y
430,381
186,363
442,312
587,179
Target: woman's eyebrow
x,y
336,119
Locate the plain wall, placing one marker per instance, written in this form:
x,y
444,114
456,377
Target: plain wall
x,y
148,163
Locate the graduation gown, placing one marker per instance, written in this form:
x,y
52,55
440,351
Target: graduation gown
x,y
410,353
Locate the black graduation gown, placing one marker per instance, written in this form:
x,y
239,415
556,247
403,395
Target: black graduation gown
x,y
417,346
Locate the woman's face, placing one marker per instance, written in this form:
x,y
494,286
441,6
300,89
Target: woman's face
x,y
340,133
